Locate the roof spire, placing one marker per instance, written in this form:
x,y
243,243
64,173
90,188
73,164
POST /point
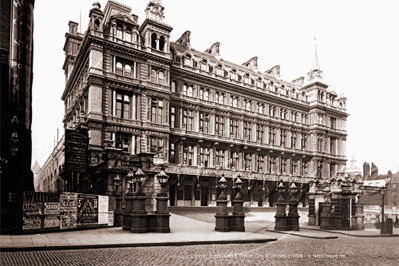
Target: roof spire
x,y
315,71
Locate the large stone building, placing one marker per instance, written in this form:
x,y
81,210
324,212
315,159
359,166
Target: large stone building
x,y
136,91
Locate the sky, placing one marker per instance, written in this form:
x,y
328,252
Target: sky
x,y
357,45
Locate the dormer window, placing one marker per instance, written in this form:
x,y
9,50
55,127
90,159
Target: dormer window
x,y
239,77
219,70
187,60
119,32
128,35
203,64
211,69
246,78
233,74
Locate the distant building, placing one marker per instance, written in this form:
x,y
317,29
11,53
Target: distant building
x,y
136,91
48,179
35,168
353,171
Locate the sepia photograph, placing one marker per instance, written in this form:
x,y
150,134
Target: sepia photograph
x,y
160,132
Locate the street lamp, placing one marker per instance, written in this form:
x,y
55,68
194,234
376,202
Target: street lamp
x,y
130,179
222,184
117,183
383,192
293,190
162,177
238,186
140,177
280,190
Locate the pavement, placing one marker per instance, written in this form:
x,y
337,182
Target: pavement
x,y
186,229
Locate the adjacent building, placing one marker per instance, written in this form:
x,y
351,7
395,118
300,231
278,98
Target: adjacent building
x,y
136,91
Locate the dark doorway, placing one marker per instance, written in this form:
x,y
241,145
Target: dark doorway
x,y
345,213
204,196
172,195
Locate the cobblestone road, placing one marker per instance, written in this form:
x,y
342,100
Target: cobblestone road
x,y
288,250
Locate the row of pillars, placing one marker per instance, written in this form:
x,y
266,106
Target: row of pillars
x,y
135,218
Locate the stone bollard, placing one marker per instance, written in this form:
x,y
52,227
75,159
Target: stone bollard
x,y
280,217
127,210
222,216
236,221
325,216
293,217
162,214
138,216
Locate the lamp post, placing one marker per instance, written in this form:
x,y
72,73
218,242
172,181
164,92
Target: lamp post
x,y
130,180
237,219
138,215
280,217
293,217
118,221
162,213
383,193
222,216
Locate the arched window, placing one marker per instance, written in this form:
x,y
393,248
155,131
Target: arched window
x,y
162,43
221,98
173,86
217,97
128,71
206,95
261,108
235,102
233,74
190,91
161,78
187,60
153,76
184,89
201,93
97,24
203,64
154,41
119,67
249,105
119,32
128,35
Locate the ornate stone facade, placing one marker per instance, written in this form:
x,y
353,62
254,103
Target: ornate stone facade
x,y
137,92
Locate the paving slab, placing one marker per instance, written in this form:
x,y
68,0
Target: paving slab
x,y
367,232
184,231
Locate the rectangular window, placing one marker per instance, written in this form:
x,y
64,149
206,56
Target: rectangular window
x,y
272,135
333,122
188,120
188,155
247,130
260,163
122,141
204,123
259,133
172,117
283,166
272,165
304,168
293,140
283,135
172,153
234,128
333,142
294,167
219,154
234,160
122,105
303,141
156,146
219,125
204,156
156,111
248,161
319,143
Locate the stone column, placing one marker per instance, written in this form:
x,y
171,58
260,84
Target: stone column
x,y
222,215
359,217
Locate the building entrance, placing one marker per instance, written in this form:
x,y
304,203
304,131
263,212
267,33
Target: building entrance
x,y
346,213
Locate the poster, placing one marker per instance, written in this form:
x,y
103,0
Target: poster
x,y
52,221
87,209
31,222
51,208
103,204
103,218
110,218
32,208
68,210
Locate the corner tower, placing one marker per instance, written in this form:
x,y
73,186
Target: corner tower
x,y
155,31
